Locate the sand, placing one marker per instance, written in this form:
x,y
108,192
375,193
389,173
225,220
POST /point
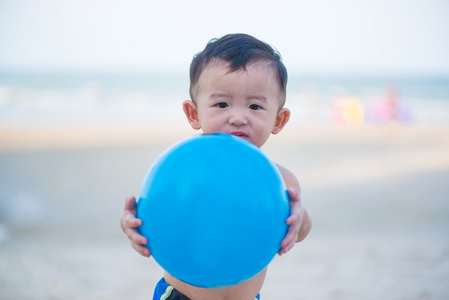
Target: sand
x,y
379,198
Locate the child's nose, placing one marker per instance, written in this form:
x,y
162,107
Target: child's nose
x,y
238,118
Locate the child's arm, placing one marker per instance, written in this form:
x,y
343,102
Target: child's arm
x,y
299,221
129,223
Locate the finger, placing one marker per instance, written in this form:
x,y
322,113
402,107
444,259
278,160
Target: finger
x,y
135,237
127,221
144,251
287,248
294,217
295,212
130,204
131,221
293,194
289,238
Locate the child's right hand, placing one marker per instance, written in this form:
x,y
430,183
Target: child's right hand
x,y
129,223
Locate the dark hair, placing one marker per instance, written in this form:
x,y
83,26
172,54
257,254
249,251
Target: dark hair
x,y
238,50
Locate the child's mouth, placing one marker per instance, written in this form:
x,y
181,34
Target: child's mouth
x,y
240,134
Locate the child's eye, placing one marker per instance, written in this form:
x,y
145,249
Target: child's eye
x,y
255,106
222,105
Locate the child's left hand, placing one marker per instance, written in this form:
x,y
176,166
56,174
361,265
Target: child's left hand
x,y
299,222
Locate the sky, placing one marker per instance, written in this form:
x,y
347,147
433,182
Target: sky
x,y
321,36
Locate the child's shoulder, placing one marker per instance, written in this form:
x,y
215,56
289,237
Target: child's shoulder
x,y
289,178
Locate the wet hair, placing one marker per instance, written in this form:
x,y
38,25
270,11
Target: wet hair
x,y
238,50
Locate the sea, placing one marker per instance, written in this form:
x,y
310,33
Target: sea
x,y
37,97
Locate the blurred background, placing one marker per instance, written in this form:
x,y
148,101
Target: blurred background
x,y
90,95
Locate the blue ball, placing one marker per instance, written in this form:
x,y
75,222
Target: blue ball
x,y
213,208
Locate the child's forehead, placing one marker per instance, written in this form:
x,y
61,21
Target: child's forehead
x,y
223,63
222,67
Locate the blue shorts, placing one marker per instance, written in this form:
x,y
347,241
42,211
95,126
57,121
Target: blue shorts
x,y
164,291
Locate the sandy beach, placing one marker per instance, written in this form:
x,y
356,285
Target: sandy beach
x,y
379,198
91,94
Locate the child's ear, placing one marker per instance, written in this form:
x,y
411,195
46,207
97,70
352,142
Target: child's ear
x,y
281,119
191,112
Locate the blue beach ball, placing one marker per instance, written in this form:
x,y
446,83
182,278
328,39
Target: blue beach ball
x,y
213,208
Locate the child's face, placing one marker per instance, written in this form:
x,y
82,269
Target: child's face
x,y
243,103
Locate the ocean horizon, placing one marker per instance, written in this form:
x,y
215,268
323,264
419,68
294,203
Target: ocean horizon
x,y
149,97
